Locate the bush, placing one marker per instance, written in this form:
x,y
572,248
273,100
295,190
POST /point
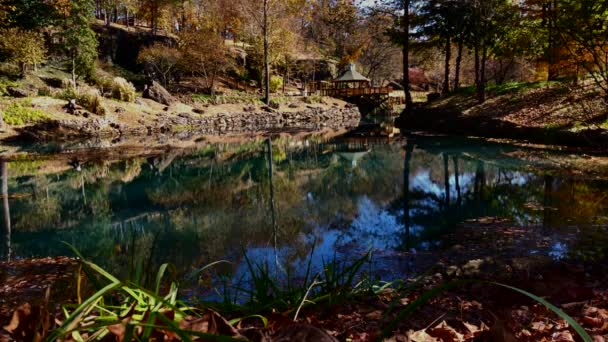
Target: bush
x,y
92,101
89,98
123,90
21,113
4,84
276,82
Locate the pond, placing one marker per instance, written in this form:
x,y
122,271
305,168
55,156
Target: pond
x,y
411,200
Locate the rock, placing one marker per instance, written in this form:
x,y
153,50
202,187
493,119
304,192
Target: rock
x,y
293,105
53,82
249,109
120,110
158,93
16,92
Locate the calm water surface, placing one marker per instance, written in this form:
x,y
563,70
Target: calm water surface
x,y
400,198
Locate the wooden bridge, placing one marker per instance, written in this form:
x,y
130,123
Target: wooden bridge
x,y
356,88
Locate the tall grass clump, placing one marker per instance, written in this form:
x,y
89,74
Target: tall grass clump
x,y
87,97
269,288
123,90
129,311
92,100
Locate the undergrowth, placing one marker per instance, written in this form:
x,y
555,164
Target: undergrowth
x,y
21,113
133,312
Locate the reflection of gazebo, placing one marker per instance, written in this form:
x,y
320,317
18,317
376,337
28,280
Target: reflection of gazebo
x,y
351,78
354,157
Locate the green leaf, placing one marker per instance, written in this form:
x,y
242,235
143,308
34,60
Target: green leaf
x,y
579,330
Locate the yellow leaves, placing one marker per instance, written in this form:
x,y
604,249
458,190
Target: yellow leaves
x,y
23,47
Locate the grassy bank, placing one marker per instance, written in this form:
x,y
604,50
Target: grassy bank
x,y
545,112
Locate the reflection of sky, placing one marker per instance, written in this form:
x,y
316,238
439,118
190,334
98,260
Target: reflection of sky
x,y
422,182
374,227
558,251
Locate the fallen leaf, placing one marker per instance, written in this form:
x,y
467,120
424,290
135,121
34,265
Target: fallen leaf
x,y
446,333
421,336
562,336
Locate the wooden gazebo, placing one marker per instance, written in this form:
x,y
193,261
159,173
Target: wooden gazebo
x,y
351,78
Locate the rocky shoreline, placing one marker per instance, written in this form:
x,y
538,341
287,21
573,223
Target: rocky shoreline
x,y
185,125
453,122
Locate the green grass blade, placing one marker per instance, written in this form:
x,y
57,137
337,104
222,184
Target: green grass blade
x,y
71,321
579,330
159,277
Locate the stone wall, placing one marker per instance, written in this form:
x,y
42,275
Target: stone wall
x,y
186,125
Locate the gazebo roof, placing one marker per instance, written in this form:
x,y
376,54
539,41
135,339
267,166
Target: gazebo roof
x,y
351,75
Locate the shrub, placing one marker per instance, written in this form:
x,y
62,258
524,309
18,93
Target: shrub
x,y
160,60
4,84
123,90
89,98
92,101
276,82
21,113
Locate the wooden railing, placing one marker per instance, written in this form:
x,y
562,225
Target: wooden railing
x,y
349,92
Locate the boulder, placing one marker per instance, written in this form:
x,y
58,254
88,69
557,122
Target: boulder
x,y
16,92
158,93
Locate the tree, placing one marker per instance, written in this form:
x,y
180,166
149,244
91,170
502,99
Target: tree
x,y
265,25
489,21
380,58
583,30
79,39
24,48
440,22
160,61
36,14
268,25
205,54
400,33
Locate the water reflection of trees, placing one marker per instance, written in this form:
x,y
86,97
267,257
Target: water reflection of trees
x,y
208,204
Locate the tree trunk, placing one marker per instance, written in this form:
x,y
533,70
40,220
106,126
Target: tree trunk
x,y
482,74
458,63
2,127
74,72
477,71
266,63
553,49
446,76
6,207
406,55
